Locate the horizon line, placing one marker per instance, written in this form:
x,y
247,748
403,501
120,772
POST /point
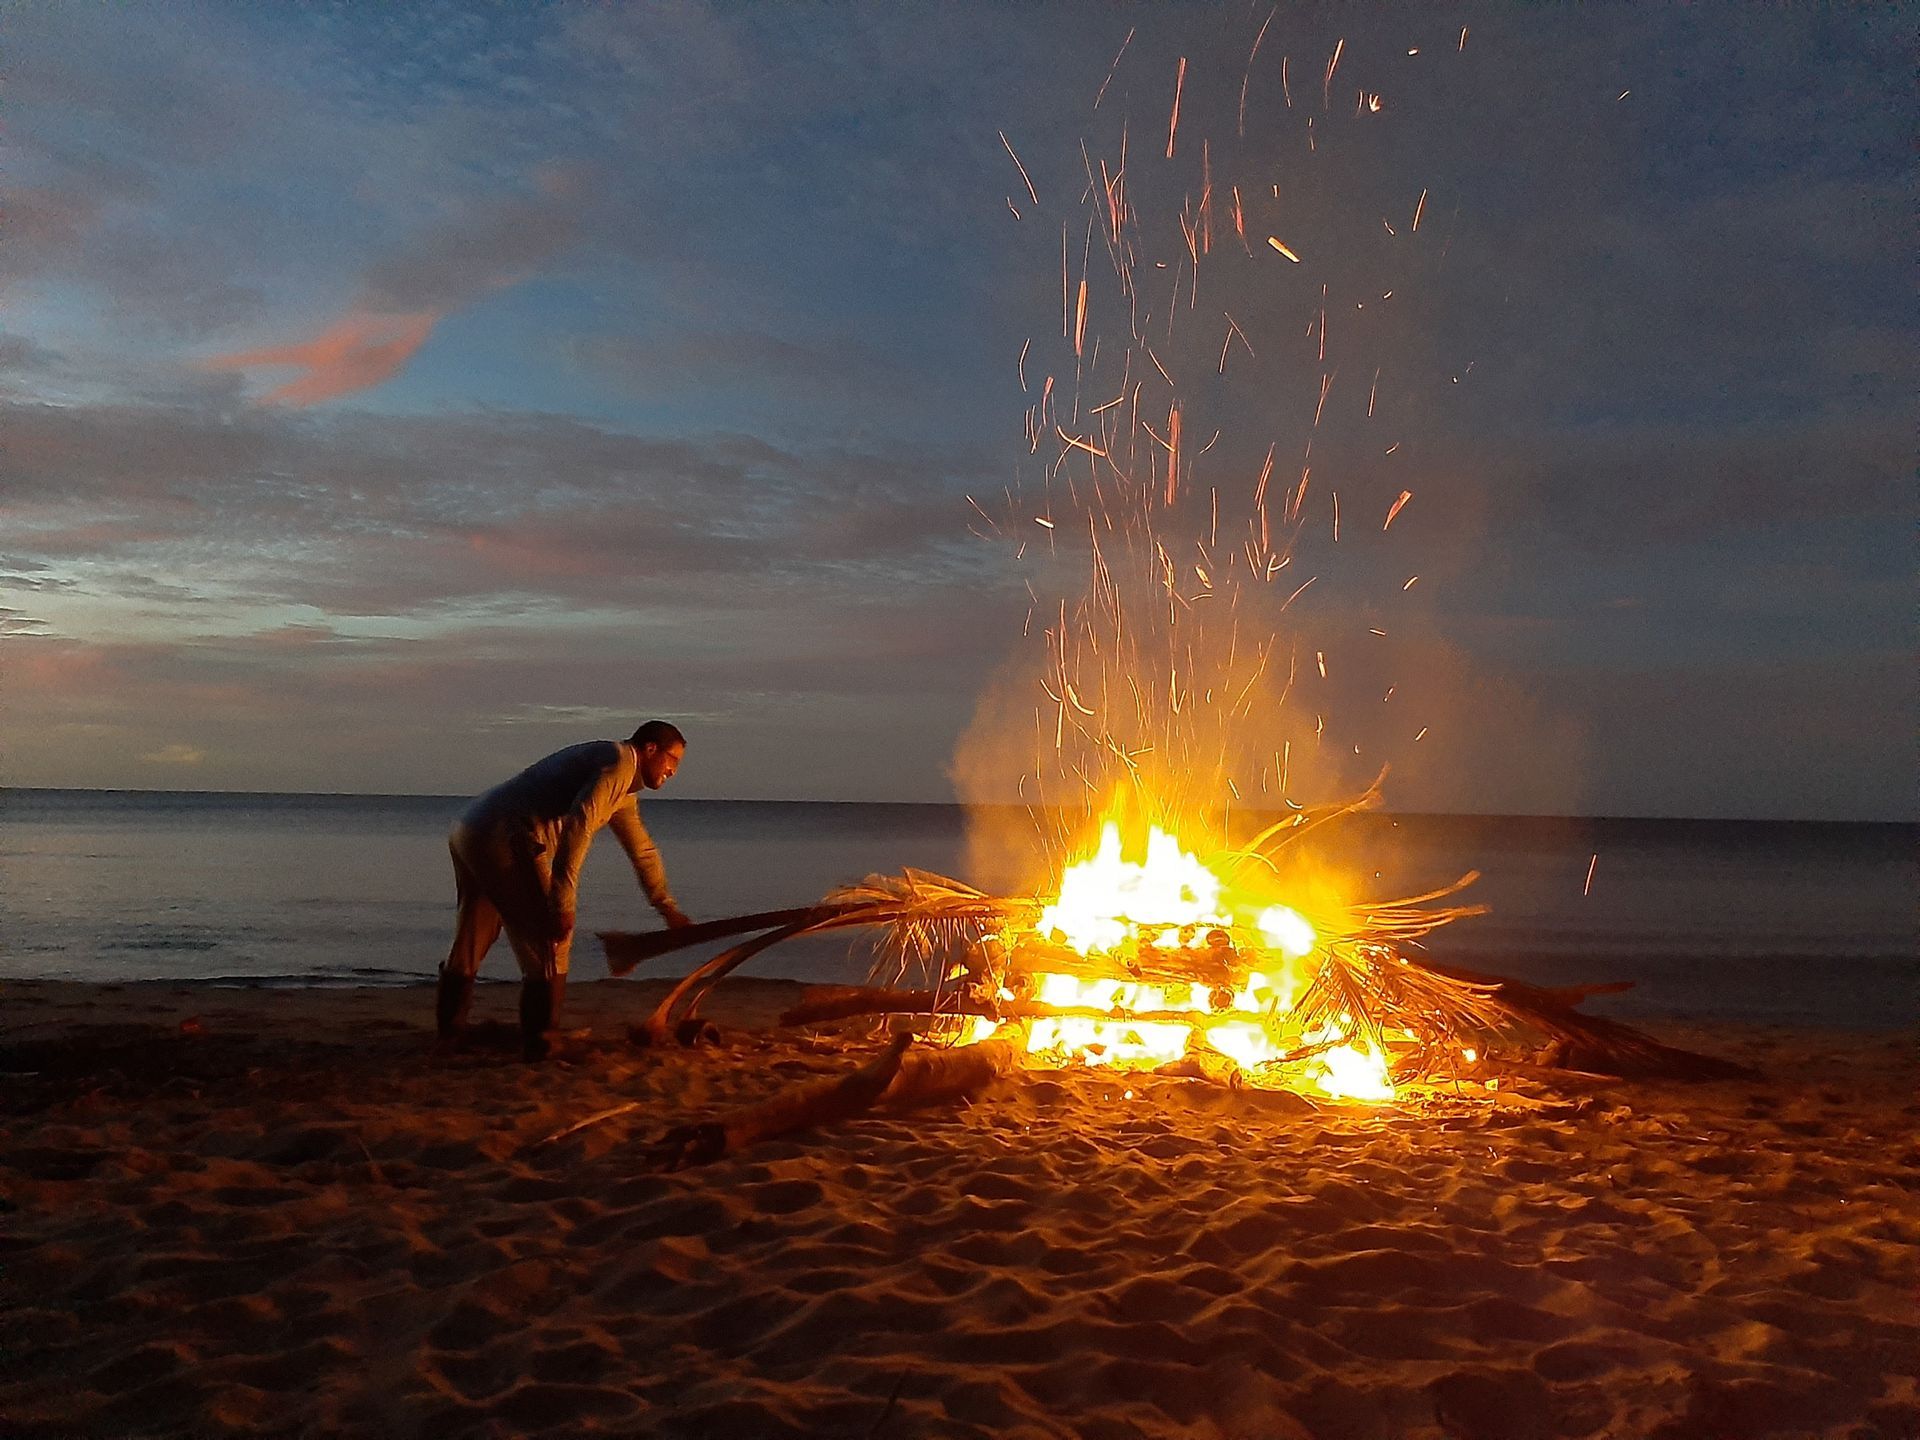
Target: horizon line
x,y
1911,821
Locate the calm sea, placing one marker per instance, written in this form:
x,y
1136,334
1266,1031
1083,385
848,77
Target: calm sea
x,y
1809,923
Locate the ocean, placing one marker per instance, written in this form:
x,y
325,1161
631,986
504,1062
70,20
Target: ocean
x,y
1797,923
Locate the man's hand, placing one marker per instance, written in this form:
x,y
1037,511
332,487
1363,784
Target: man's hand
x,y
675,917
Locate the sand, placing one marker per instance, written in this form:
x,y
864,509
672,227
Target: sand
x,y
255,1212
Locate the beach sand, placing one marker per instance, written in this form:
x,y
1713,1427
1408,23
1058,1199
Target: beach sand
x,y
259,1212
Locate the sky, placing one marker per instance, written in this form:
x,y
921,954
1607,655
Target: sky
x,y
389,395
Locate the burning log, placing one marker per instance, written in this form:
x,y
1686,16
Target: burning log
x,y
894,1079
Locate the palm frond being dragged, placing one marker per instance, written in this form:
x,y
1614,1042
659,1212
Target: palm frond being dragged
x,y
924,918
908,904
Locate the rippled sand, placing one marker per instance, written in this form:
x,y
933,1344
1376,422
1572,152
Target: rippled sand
x,y
288,1218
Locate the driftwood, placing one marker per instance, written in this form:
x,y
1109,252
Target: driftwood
x,y
662,1024
893,1079
626,949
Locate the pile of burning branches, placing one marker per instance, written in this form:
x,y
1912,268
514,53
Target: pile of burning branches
x,y
1161,965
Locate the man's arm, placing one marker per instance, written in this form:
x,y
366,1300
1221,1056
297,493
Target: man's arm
x,y
592,807
645,855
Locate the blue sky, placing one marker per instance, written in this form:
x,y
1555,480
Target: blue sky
x,y
394,394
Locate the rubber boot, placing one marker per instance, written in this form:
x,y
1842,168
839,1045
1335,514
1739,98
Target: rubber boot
x,y
540,1002
451,1001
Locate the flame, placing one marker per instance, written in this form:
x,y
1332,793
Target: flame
x,y
1106,899
1169,899
1350,1073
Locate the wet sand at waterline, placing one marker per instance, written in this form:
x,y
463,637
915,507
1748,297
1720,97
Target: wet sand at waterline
x,y
257,1212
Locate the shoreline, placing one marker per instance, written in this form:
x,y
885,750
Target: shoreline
x,y
232,1211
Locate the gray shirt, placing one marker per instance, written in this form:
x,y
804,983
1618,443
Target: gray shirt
x,y
562,802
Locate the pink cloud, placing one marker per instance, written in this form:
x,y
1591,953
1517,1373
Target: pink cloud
x,y
362,349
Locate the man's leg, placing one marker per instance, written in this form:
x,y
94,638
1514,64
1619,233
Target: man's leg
x,y
543,988
476,927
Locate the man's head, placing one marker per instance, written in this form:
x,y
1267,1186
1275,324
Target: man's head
x,y
661,745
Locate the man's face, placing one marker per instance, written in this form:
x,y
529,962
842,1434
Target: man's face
x,y
658,762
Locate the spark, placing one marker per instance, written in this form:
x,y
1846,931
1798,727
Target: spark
x,y
1074,442
1296,594
1463,37
1419,210
1016,213
1372,391
1064,330
1395,508
1286,89
1274,241
1080,320
1326,87
1022,367
1336,515
1422,735
1173,122
1249,73
1326,384
1101,95
1375,630
1022,169
1591,864
1409,585
1320,658
1042,521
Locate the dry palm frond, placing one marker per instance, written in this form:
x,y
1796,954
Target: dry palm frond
x,y
1366,989
1282,833
925,918
1408,919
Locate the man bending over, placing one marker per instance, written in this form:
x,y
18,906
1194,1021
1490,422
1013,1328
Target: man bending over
x,y
517,853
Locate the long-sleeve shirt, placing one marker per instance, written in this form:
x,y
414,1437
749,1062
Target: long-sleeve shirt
x,y
560,803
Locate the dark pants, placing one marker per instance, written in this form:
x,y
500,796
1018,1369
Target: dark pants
x,y
502,881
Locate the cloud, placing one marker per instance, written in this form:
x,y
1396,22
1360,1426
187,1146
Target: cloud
x,y
485,248
360,350
370,515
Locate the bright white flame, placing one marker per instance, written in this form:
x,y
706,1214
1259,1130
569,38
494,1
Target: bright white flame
x,y
1105,897
1350,1073
1287,930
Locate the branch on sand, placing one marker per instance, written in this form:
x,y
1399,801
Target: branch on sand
x,y
894,1079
